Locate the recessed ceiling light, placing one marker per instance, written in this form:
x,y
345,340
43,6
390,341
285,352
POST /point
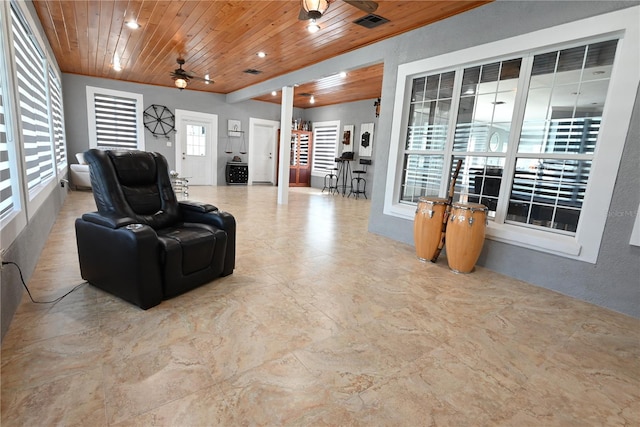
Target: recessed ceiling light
x,y
313,27
312,100
343,74
274,93
261,54
116,64
133,24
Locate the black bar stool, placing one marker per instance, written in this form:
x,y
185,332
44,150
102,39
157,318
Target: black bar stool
x,y
331,181
356,189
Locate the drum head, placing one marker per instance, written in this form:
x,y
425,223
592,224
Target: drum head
x,y
433,200
469,206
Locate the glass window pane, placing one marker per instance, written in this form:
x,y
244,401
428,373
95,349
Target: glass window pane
x,y
491,109
563,112
417,93
422,175
431,91
479,180
470,80
571,59
429,118
196,140
548,192
446,85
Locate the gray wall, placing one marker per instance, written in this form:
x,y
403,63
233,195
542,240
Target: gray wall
x,y
351,113
613,281
25,251
75,106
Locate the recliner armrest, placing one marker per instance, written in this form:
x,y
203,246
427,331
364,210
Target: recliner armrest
x,y
106,220
219,219
190,205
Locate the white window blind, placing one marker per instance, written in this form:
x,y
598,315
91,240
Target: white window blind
x,y
6,196
116,121
325,140
34,114
57,117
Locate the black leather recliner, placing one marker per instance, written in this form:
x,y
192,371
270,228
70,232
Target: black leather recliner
x,y
142,245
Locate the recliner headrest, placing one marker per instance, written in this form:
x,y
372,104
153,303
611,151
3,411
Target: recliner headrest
x,y
134,168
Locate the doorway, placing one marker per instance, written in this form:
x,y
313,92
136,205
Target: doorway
x,y
197,147
263,143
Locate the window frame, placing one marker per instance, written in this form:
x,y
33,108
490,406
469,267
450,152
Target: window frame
x,y
91,114
616,117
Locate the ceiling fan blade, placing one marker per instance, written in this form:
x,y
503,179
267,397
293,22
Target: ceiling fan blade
x,y
208,81
364,5
180,74
303,15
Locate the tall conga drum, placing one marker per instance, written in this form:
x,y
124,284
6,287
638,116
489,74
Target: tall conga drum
x,y
465,235
427,226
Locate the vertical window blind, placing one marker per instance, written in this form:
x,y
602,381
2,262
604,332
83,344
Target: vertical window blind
x,y
6,196
325,139
57,117
115,119
33,105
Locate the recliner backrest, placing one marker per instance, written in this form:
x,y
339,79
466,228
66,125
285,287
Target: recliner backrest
x,y
133,184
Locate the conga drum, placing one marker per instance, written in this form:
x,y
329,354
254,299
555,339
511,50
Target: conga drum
x,y
465,235
427,226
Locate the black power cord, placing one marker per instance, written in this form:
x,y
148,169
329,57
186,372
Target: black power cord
x,y
28,292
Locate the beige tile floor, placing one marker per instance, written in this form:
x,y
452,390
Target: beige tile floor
x,y
322,323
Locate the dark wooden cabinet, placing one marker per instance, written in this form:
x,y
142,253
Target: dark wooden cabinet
x,y
237,173
300,158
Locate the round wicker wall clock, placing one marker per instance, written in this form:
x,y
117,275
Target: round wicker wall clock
x,y
159,120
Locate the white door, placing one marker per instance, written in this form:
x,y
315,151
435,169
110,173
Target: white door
x,y
196,147
263,143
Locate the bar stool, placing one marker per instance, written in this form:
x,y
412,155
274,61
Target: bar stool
x,y
359,180
331,181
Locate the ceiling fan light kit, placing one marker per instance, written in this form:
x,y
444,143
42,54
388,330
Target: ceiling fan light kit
x,y
181,83
315,8
181,77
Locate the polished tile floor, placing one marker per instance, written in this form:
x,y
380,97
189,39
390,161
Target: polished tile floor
x,y
322,324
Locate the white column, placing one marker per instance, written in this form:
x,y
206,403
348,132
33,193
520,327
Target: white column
x,y
286,116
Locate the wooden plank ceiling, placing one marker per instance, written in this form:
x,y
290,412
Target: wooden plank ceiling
x,y
222,39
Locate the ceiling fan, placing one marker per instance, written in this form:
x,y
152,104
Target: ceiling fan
x,y
181,76
314,9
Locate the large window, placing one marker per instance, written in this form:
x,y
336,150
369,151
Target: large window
x,y
529,127
34,105
325,143
32,143
115,119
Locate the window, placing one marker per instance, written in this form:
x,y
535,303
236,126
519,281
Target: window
x,y
196,140
528,127
33,105
32,139
325,142
57,119
115,119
